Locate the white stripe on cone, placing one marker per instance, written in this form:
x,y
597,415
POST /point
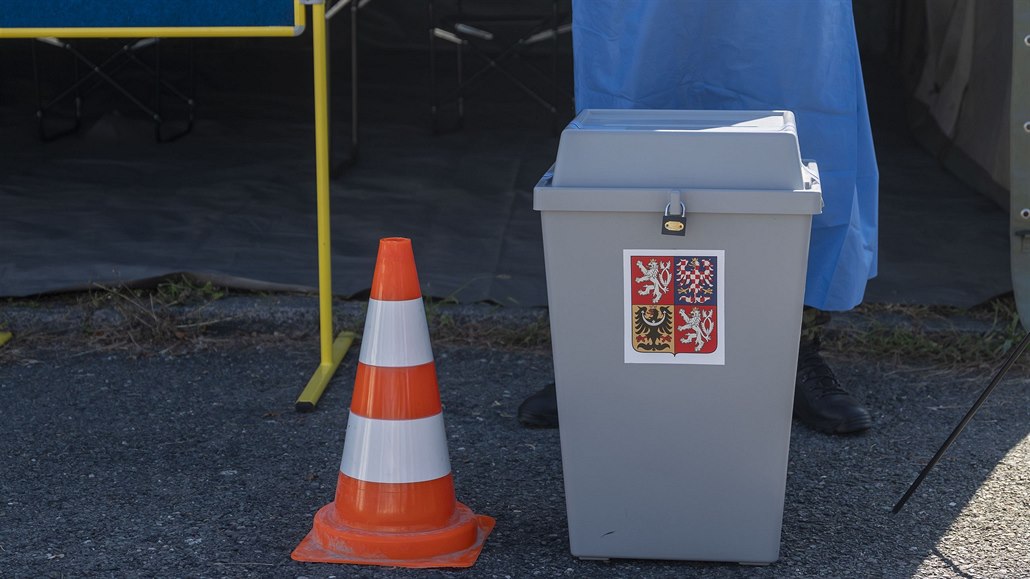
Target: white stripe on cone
x,y
396,334
395,451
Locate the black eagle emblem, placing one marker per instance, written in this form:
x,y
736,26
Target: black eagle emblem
x,y
652,328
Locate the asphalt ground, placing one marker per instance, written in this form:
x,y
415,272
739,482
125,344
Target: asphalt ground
x,y
184,457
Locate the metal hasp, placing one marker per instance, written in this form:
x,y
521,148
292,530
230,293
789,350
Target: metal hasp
x,y
674,224
332,351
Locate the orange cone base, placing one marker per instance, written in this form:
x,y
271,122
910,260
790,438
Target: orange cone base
x,y
457,544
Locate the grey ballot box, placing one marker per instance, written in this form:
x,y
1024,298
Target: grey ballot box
x,y
675,356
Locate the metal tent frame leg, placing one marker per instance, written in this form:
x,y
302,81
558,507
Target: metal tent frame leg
x,y
1019,151
1012,357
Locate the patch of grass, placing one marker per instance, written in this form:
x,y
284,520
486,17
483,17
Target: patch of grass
x,y
436,308
935,335
186,290
171,317
146,320
23,302
449,330
154,319
449,327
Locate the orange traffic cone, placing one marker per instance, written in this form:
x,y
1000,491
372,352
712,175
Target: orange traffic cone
x,y
395,500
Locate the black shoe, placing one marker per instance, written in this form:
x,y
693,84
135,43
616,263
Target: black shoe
x,y
819,400
540,410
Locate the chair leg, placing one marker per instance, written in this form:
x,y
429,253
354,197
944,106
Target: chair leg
x,y
345,162
460,51
354,81
548,27
42,106
554,68
102,73
434,102
160,87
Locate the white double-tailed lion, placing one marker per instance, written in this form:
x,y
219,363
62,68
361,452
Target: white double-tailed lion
x,y
657,275
698,327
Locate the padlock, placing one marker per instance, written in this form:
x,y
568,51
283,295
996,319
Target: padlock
x,y
675,224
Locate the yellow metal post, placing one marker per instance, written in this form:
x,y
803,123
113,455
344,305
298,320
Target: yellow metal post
x,y
331,352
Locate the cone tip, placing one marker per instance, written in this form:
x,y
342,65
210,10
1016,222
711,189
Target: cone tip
x,y
395,276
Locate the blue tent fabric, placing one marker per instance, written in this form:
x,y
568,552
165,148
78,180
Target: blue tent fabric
x,y
797,55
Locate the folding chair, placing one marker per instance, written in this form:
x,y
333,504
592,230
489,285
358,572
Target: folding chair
x,y
484,34
351,156
105,72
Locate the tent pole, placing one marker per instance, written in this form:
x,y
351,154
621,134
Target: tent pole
x,y
1012,357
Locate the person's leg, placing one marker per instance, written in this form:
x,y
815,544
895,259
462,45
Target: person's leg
x,y
540,409
820,402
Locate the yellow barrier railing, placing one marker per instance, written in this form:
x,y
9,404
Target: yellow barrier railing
x,y
332,350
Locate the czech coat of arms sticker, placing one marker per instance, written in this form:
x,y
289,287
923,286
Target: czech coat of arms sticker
x,y
674,306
